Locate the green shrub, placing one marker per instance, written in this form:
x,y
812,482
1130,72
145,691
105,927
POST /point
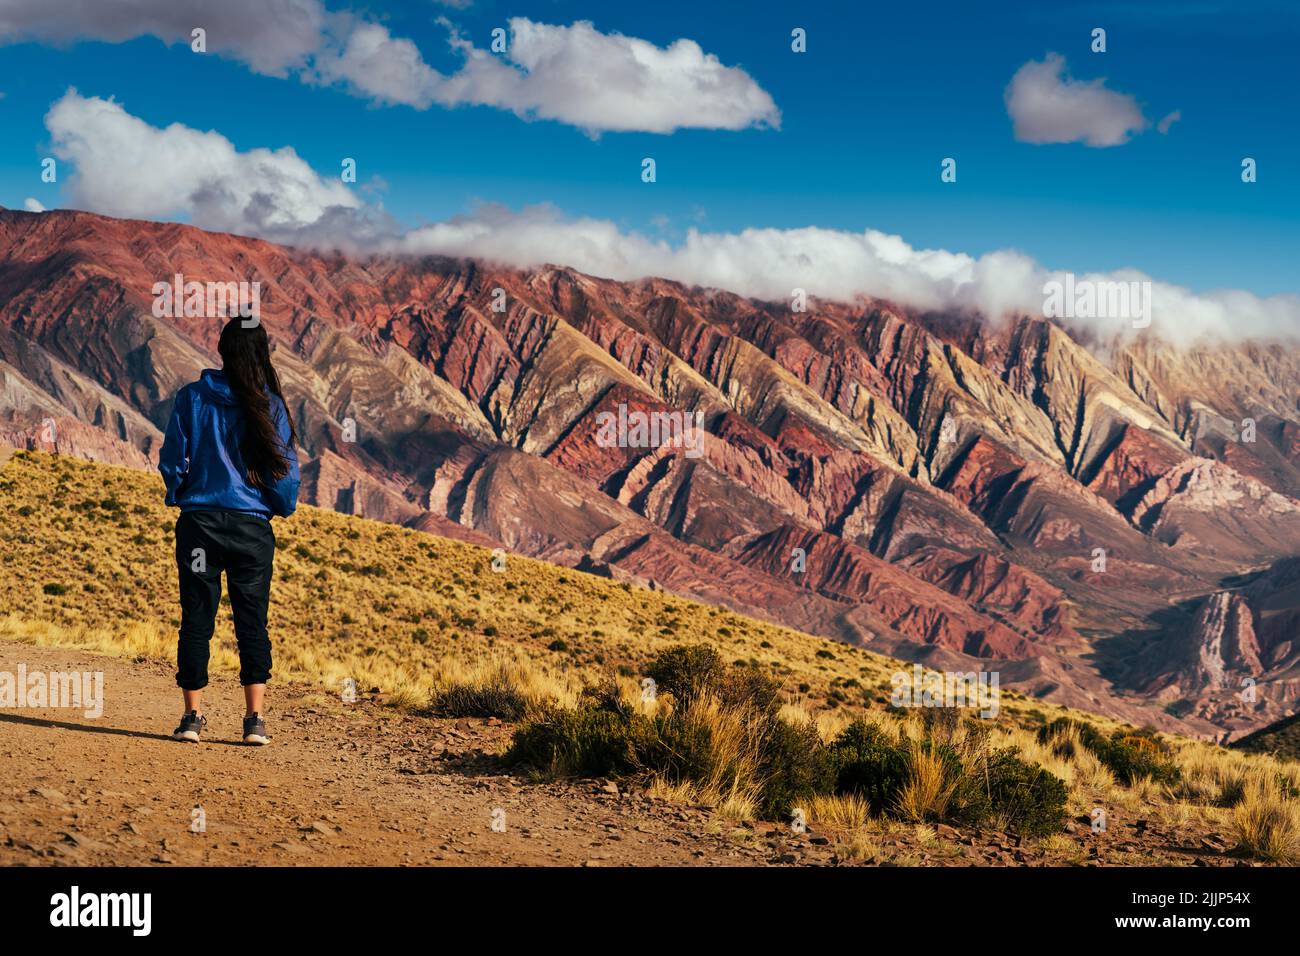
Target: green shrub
x,y
749,687
1129,762
690,672
1029,799
591,741
865,762
1023,797
687,671
795,765
1128,756
684,747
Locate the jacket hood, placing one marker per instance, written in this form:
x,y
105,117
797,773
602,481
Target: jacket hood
x,y
215,387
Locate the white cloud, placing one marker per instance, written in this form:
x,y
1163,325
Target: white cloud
x,y
572,74
1163,126
126,167
272,37
33,205
374,63
1047,106
599,81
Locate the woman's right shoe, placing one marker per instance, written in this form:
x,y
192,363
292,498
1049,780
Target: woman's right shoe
x,y
192,725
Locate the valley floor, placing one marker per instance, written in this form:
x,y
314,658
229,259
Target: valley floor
x,y
366,784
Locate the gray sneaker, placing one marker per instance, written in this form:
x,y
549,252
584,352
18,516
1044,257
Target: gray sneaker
x,y
192,725
255,731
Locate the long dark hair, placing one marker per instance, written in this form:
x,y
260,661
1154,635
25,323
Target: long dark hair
x,y
246,360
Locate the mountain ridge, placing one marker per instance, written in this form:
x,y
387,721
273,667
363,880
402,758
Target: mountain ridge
x,y
953,479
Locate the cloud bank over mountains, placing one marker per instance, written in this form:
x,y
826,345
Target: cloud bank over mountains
x,y
123,166
574,74
837,264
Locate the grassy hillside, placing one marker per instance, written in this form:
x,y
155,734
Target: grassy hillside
x,y
86,559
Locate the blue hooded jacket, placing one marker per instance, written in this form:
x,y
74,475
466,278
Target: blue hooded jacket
x,y
201,462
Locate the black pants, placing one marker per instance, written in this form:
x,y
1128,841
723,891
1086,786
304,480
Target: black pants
x,y
207,543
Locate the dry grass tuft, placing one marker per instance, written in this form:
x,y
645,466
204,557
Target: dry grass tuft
x,y
928,790
1267,822
846,812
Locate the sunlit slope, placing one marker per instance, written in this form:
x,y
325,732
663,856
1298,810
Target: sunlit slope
x,y
88,560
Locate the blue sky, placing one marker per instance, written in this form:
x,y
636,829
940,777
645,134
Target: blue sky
x,y
883,94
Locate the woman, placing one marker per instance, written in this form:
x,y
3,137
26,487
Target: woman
x,y
229,464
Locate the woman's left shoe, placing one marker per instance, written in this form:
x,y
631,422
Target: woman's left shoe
x,y
255,731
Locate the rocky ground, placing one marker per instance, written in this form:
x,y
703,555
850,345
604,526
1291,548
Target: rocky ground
x,y
365,784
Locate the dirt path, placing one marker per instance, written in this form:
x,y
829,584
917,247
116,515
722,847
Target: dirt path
x,y
340,784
